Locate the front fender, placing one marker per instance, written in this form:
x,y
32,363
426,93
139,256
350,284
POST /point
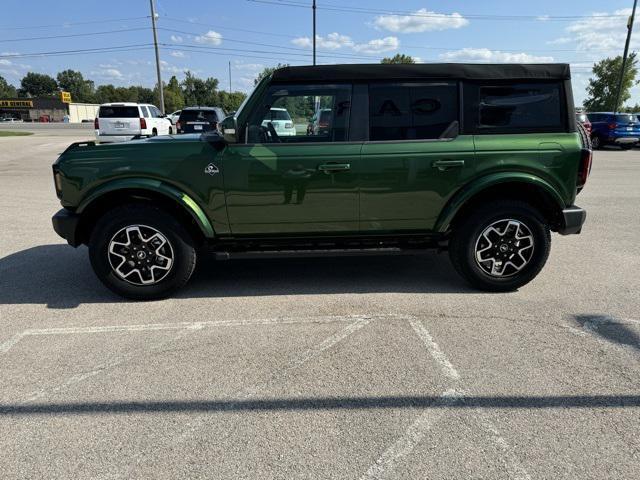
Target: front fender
x,y
155,186
468,191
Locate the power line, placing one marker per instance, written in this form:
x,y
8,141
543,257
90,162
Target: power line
x,y
73,24
25,39
340,8
121,48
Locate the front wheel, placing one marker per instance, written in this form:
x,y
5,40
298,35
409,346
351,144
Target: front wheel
x,y
141,252
596,143
627,146
501,246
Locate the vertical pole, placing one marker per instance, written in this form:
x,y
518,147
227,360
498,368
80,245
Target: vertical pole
x,y
155,45
314,31
624,56
229,76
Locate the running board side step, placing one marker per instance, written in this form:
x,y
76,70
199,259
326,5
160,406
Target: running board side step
x,y
333,252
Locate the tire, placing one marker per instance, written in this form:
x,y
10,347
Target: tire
x,y
117,248
584,137
627,147
154,133
511,268
170,131
596,143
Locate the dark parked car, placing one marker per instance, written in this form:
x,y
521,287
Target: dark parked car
x,y
621,129
199,119
584,120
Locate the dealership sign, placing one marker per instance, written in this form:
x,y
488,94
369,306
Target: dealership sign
x,y
16,103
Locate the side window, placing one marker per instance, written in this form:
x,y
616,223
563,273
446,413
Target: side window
x,y
155,113
411,111
518,107
145,111
301,113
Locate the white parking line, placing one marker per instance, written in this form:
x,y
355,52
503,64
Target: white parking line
x,y
402,448
7,345
412,436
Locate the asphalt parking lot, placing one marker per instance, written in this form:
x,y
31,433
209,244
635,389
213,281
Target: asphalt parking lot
x,y
354,368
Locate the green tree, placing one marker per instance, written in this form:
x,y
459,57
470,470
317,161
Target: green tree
x,y
173,97
38,85
6,89
398,58
268,71
81,90
603,85
230,101
197,91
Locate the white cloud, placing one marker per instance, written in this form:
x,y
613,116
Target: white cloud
x,y
421,20
601,30
178,54
333,41
4,62
167,67
560,41
176,38
109,74
378,45
492,56
543,18
251,67
336,41
211,38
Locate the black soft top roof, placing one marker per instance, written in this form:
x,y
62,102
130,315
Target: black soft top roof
x,y
464,71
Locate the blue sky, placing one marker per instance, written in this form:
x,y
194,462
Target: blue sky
x,y
203,36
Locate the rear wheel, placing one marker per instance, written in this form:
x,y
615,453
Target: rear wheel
x,y
141,252
154,132
596,142
501,246
170,131
627,146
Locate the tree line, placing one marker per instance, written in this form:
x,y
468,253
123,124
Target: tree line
x,y
191,91
601,91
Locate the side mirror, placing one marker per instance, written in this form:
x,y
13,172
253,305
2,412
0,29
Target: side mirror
x,y
229,128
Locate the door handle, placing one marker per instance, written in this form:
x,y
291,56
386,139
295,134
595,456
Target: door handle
x,y
444,164
334,167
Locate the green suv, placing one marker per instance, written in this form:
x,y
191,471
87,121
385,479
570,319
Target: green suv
x,y
482,160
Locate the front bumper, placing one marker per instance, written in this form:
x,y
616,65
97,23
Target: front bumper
x,y
625,140
572,220
65,224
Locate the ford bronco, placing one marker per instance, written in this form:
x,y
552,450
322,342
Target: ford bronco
x,y
481,160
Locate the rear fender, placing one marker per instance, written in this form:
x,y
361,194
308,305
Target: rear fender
x,y
467,192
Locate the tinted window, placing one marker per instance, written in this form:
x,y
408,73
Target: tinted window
x,y
118,112
145,111
411,111
625,118
154,111
199,116
520,106
300,104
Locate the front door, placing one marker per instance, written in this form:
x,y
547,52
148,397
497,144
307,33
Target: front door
x,y
415,159
291,176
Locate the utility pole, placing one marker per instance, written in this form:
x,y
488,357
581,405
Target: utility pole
x,y
155,44
314,31
624,57
229,77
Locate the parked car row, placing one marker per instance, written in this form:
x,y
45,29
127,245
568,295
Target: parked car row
x,y
607,128
120,122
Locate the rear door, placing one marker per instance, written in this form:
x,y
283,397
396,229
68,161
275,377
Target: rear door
x,y
295,184
119,120
415,158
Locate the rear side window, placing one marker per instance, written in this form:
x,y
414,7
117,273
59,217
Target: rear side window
x,y
411,111
516,107
118,112
199,116
145,111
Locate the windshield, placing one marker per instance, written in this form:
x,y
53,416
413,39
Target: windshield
x,y
198,116
278,115
118,112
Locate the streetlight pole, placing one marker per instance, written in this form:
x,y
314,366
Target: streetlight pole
x,y
155,44
229,76
314,31
624,56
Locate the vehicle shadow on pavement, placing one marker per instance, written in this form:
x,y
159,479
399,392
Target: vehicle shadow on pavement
x,y
323,404
61,277
609,328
